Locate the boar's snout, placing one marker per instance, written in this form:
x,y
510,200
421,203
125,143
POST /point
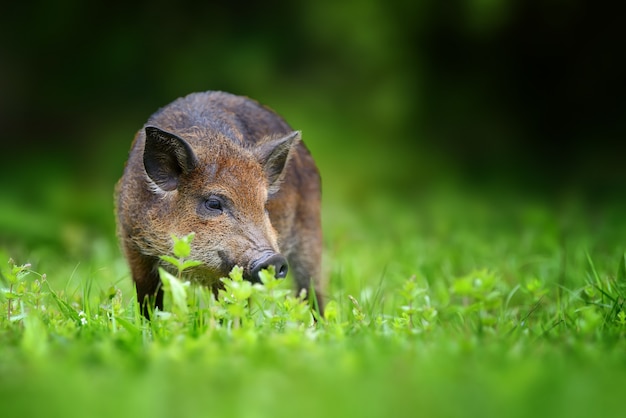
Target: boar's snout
x,y
278,261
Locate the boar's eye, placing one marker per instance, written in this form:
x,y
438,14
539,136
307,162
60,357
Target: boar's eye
x,y
213,203
212,206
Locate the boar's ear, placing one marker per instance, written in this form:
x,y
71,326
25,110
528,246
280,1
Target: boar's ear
x,y
166,157
273,155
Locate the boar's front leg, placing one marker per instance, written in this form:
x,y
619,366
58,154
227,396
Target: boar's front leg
x,y
306,271
147,282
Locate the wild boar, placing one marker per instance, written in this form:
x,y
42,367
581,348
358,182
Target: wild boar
x,y
235,173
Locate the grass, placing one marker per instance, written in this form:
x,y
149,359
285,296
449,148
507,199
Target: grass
x,y
446,303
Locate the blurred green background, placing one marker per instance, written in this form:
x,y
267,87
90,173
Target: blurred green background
x,y
393,98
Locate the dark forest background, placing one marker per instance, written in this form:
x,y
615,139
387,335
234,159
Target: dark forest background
x,y
524,95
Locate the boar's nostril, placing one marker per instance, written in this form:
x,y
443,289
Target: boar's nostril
x,y
281,270
278,261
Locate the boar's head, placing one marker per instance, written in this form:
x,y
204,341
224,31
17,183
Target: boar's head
x,y
210,185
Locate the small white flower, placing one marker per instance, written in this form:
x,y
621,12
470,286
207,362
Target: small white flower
x,y
83,318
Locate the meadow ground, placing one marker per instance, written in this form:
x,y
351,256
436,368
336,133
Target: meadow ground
x,y
443,301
